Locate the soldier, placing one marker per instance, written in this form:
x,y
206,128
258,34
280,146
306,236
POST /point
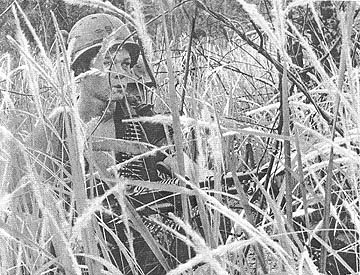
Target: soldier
x,y
102,58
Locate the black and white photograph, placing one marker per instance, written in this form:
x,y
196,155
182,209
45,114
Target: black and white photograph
x,y
179,137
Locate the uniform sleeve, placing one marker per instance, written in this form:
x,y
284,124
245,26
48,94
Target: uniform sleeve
x,y
47,144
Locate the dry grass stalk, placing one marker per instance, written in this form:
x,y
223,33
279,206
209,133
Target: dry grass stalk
x,y
26,222
347,21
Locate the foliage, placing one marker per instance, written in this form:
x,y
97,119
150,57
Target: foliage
x,y
270,92
38,12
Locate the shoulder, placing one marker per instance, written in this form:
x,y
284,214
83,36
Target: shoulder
x,y
48,128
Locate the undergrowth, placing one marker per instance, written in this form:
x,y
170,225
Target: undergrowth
x,y
288,143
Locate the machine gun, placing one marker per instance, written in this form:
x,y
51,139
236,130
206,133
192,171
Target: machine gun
x,y
167,201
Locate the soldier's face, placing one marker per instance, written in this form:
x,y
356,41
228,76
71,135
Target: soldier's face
x,y
116,65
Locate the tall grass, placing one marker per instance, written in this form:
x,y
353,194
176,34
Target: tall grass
x,y
48,223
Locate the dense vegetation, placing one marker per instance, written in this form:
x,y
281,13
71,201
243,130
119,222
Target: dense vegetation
x,y
267,95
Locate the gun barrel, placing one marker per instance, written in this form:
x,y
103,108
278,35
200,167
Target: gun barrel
x,y
170,202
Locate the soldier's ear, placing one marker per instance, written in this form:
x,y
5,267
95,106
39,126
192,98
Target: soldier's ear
x,y
97,62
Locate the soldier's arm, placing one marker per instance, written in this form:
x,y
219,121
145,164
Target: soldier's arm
x,y
46,144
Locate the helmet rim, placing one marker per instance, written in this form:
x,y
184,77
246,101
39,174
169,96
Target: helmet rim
x,y
134,51
92,29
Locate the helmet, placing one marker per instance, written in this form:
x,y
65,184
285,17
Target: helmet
x,y
90,31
